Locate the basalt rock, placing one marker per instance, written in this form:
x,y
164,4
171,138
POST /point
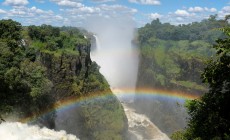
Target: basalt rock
x,y
72,76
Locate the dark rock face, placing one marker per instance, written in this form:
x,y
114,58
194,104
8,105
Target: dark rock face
x,y
62,69
163,68
71,75
189,71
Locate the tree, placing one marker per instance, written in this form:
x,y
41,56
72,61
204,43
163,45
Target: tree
x,y
24,84
210,115
10,29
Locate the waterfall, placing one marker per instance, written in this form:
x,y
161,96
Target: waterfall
x,y
118,62
114,52
98,44
119,66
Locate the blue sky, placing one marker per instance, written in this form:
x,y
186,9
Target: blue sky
x,y
78,12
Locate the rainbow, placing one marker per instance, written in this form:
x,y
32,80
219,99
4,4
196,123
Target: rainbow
x,y
72,101
157,93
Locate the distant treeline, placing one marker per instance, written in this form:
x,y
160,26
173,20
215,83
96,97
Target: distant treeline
x,y
173,57
204,30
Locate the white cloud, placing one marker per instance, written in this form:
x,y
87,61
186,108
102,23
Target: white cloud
x,y
179,19
89,9
182,17
182,13
85,10
146,2
134,10
117,10
102,1
191,14
196,9
15,2
154,16
212,10
39,11
33,15
69,3
114,7
58,17
2,11
224,11
71,13
84,13
17,11
25,12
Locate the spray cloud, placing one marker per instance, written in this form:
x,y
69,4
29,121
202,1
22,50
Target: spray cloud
x,y
115,53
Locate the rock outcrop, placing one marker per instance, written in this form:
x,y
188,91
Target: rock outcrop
x,y
77,76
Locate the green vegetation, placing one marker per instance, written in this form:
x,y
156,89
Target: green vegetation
x,y
42,65
210,116
112,114
54,40
173,57
24,84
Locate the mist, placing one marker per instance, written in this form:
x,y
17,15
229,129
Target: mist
x,y
19,131
118,58
115,53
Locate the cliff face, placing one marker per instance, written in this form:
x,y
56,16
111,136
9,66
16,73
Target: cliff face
x,y
77,76
65,69
172,58
180,74
40,66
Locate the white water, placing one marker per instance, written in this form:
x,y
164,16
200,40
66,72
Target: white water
x,y
141,127
20,131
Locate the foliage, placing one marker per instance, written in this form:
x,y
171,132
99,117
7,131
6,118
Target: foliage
x,y
23,81
10,30
25,85
172,57
210,116
104,118
56,40
179,135
189,32
41,33
173,54
95,81
42,65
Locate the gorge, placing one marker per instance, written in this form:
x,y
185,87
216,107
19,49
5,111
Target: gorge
x,y
109,82
118,59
